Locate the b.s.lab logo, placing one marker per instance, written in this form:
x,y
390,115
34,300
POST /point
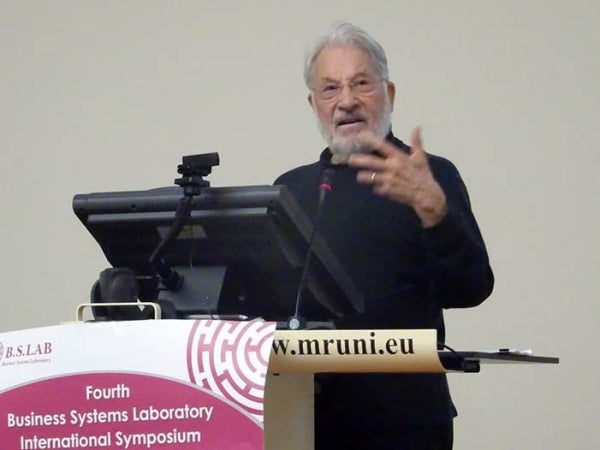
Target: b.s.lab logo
x,y
31,353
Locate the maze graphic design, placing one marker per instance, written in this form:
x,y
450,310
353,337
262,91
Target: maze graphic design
x,y
230,359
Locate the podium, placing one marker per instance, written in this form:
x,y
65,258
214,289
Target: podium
x,y
290,390
109,384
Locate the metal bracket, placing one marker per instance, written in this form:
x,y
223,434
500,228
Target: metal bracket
x,y
80,308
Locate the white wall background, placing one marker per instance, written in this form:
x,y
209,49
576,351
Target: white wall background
x,y
108,95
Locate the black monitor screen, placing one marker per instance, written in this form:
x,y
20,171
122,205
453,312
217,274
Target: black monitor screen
x,y
255,238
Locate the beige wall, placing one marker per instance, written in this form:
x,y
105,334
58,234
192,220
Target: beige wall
x,y
108,95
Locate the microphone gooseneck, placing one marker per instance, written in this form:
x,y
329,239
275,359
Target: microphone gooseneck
x,y
325,186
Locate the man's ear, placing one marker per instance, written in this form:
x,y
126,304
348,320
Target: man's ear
x,y
391,90
310,100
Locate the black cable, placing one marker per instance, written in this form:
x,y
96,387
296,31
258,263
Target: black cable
x,y
170,278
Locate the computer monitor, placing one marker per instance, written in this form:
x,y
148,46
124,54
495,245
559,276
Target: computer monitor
x,y
241,251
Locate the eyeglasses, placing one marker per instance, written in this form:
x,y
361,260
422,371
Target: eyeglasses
x,y
360,86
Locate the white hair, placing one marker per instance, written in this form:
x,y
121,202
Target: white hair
x,y
347,34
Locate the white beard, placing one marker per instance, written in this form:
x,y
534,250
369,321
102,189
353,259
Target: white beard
x,y
344,146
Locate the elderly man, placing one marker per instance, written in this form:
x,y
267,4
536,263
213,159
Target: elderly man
x,y
400,221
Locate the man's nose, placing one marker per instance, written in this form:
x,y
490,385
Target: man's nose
x,y
348,99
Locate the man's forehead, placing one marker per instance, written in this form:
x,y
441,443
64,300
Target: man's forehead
x,y
342,62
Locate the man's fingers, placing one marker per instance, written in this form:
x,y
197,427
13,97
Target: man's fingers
x,y
416,140
367,177
389,155
370,162
381,145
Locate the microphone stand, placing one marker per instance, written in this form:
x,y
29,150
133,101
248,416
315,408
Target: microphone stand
x,y
297,322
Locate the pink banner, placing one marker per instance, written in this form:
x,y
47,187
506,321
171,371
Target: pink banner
x,y
134,403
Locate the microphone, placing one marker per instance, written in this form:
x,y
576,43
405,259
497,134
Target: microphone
x,y
297,322
325,187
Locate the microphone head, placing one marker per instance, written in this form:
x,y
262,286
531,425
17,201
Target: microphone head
x,y
327,179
